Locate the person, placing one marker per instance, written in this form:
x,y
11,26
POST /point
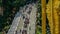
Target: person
x,y
29,28
26,7
16,32
29,12
25,25
24,32
20,30
26,21
23,17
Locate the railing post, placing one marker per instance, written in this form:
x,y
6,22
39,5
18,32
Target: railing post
x,y
56,16
43,16
49,12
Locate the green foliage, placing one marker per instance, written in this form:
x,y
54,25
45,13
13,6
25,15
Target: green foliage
x,y
0,32
38,31
9,5
39,19
0,2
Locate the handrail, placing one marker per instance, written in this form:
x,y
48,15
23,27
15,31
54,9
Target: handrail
x,y
43,16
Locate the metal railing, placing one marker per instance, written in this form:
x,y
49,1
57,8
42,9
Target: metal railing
x,y
52,14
